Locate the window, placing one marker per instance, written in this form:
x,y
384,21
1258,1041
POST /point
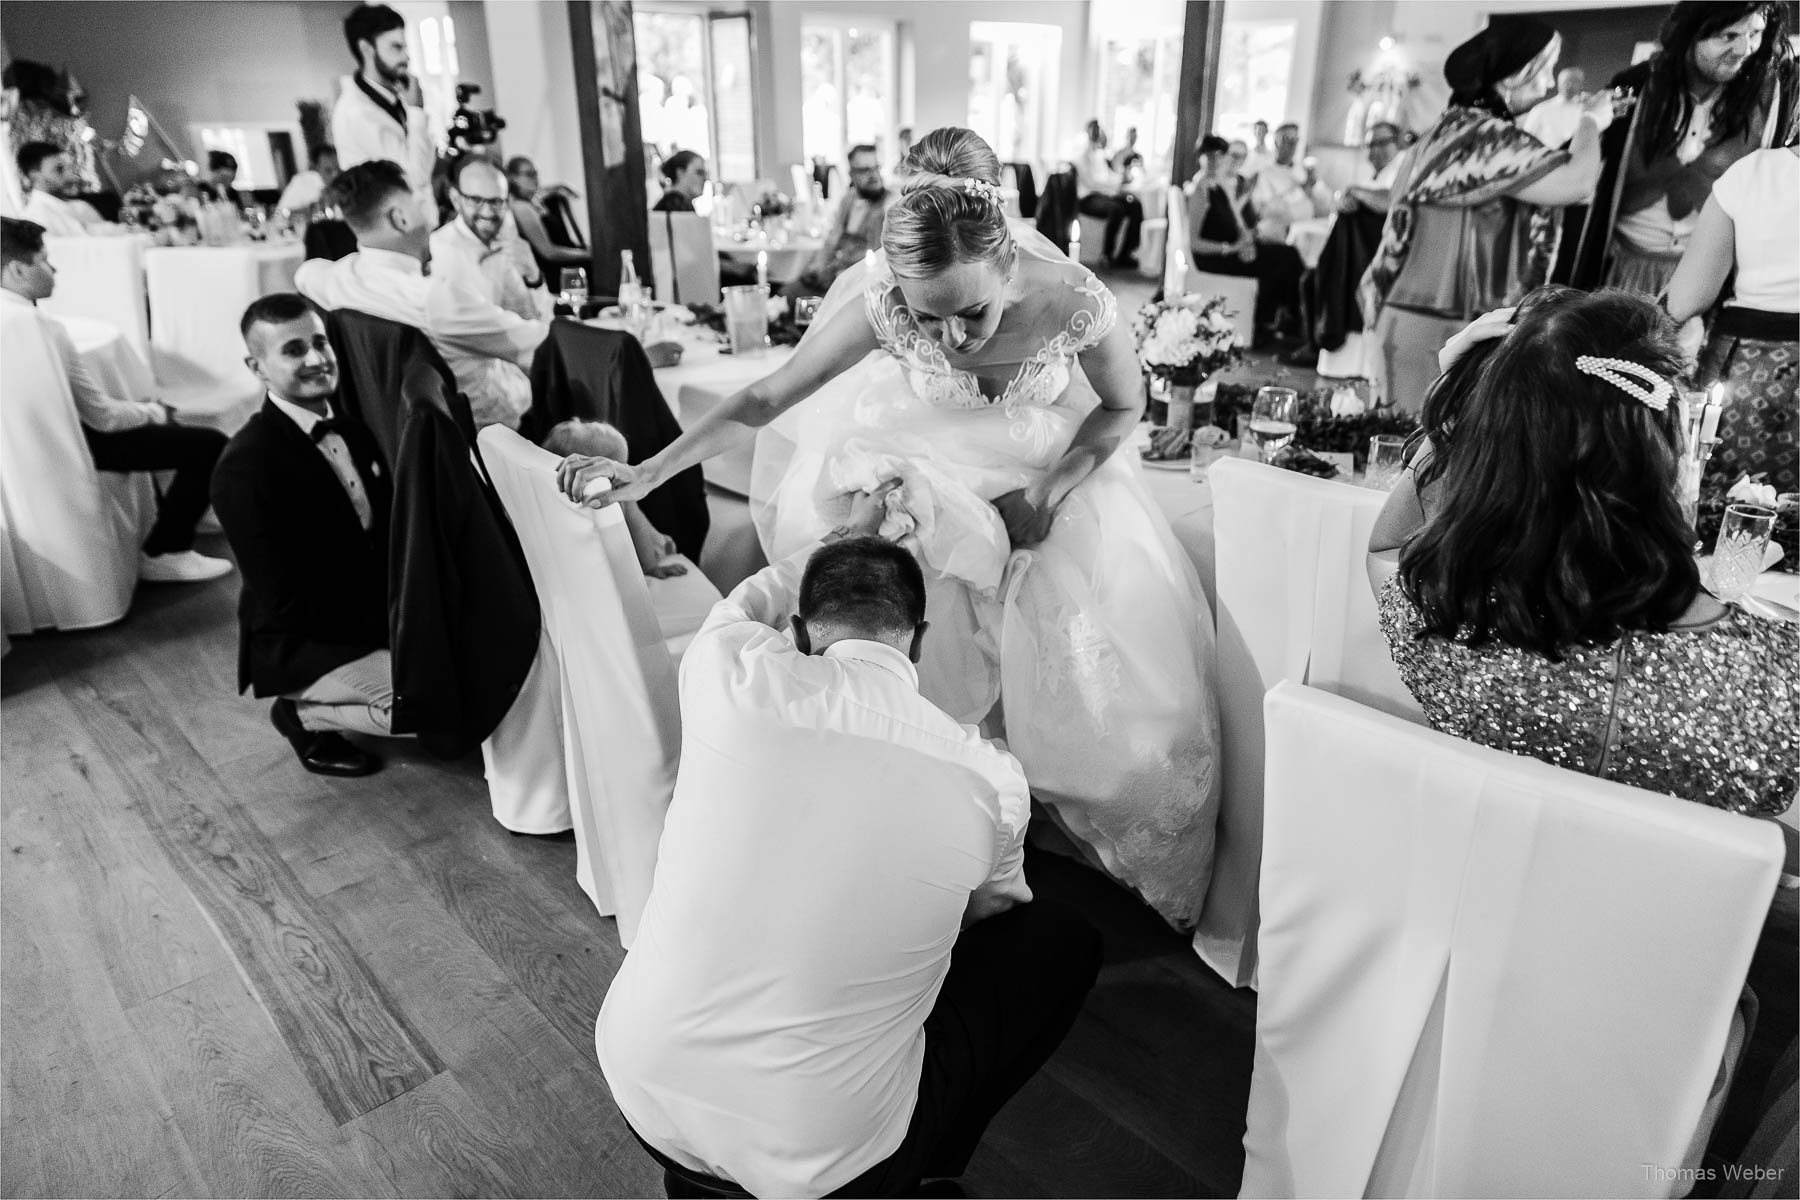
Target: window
x,y
1012,88
696,87
1255,63
431,45
263,149
1138,82
847,86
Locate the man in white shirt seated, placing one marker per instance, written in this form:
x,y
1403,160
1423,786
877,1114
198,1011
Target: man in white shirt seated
x,y
1100,192
1553,121
856,228
53,196
841,975
122,434
1287,191
478,249
487,348
1382,145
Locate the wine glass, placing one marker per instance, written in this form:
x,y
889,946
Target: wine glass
x,y
1272,419
574,289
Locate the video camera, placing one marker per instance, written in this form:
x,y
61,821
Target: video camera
x,y
473,126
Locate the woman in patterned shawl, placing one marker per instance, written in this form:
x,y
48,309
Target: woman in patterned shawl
x,y
971,361
1465,234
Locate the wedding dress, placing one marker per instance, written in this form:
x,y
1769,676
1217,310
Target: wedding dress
x,y
1091,651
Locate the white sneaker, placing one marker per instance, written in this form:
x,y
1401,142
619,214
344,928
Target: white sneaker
x,y
184,566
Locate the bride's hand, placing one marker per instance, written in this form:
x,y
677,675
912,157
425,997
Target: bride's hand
x,y
578,472
1028,514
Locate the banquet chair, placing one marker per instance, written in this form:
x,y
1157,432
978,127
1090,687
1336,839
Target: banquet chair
x,y
194,337
1483,975
69,534
1293,603
380,362
613,669
102,278
683,261
1180,276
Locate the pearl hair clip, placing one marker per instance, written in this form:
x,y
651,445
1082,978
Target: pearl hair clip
x,y
1648,387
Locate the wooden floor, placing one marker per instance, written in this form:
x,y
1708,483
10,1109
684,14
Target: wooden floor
x,y
223,976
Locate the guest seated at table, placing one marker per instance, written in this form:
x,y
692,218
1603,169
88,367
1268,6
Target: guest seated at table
x,y
477,250
656,552
1552,606
304,190
221,178
1100,192
53,194
1382,146
684,178
1224,244
545,219
488,348
123,434
1238,157
305,504
841,975
1287,191
856,229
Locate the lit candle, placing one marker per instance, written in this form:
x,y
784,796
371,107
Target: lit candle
x,y
762,267
1075,240
1709,418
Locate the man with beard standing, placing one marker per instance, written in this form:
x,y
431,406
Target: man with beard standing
x,y
480,251
377,115
1721,85
856,230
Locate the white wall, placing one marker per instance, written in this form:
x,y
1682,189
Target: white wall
x,y
1308,17
531,51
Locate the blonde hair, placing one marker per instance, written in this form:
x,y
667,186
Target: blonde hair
x,y
587,437
948,211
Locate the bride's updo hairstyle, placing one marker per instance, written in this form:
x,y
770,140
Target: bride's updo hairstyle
x,y
949,210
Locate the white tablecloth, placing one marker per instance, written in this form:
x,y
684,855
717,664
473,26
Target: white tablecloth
x,y
102,279
115,364
704,379
199,293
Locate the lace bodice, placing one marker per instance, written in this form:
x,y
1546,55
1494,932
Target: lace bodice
x,y
1076,315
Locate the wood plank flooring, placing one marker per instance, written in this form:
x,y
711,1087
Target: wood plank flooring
x,y
223,976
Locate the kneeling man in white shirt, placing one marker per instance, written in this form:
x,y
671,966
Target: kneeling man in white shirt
x,y
487,348
841,975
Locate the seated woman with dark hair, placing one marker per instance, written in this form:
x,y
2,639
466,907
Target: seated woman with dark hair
x,y
684,178
1223,237
1550,603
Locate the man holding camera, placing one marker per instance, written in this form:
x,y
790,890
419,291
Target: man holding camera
x,y
378,114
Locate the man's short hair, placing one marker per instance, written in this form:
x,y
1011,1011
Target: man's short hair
x,y
1393,130
19,240
277,308
517,163
863,584
367,22
1293,125
364,190
218,160
462,162
862,148
31,155
576,436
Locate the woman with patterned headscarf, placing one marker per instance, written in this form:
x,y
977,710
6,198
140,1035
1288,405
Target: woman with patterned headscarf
x,y
1464,234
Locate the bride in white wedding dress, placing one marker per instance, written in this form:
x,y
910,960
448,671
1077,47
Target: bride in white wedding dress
x,y
976,364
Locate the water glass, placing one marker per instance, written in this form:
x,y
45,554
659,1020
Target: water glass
x,y
1386,461
1737,559
1272,419
805,309
574,292
747,318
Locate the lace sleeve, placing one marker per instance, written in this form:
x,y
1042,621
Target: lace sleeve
x,y
1093,312
880,300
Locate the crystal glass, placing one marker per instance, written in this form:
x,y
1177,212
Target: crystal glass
x,y
1272,419
747,318
805,309
1737,559
1386,461
574,292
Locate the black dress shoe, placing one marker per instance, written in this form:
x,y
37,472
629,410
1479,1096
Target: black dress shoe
x,y
322,753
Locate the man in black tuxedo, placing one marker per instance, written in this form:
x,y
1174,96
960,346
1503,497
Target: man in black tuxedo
x,y
304,500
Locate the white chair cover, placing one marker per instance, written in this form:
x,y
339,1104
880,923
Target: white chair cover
x,y
1293,603
691,276
621,718
1240,293
197,297
69,535
1483,975
102,278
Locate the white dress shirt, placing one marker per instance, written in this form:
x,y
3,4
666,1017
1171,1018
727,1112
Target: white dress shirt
x,y
1255,162
302,191
1554,121
1093,174
337,453
67,218
768,1024
94,406
496,272
1281,198
362,132
488,348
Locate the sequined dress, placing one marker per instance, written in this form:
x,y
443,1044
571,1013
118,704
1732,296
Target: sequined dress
x,y
1098,642
1710,714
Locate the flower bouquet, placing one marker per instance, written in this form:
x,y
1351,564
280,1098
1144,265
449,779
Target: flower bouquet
x,y
1181,341
166,216
774,204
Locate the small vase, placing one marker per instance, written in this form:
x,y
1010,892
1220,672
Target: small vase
x,y
1181,405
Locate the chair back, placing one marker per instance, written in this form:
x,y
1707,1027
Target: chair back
x,y
1175,248
620,708
683,260
1483,975
330,240
103,278
69,534
1293,603
380,362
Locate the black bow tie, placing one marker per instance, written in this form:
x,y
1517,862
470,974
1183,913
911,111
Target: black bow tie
x,y
327,425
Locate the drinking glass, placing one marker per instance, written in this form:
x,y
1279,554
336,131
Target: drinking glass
x,y
1386,461
747,318
574,291
1272,419
1737,559
805,309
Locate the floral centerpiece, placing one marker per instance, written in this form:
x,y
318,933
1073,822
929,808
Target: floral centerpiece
x,y
1182,341
166,215
1333,418
774,204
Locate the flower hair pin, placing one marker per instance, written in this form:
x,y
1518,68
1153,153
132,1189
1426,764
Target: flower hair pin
x,y
981,188
1634,379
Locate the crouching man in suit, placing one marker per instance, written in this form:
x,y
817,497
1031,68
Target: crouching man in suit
x,y
304,499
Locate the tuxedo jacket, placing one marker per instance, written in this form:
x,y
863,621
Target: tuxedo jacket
x,y
315,583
